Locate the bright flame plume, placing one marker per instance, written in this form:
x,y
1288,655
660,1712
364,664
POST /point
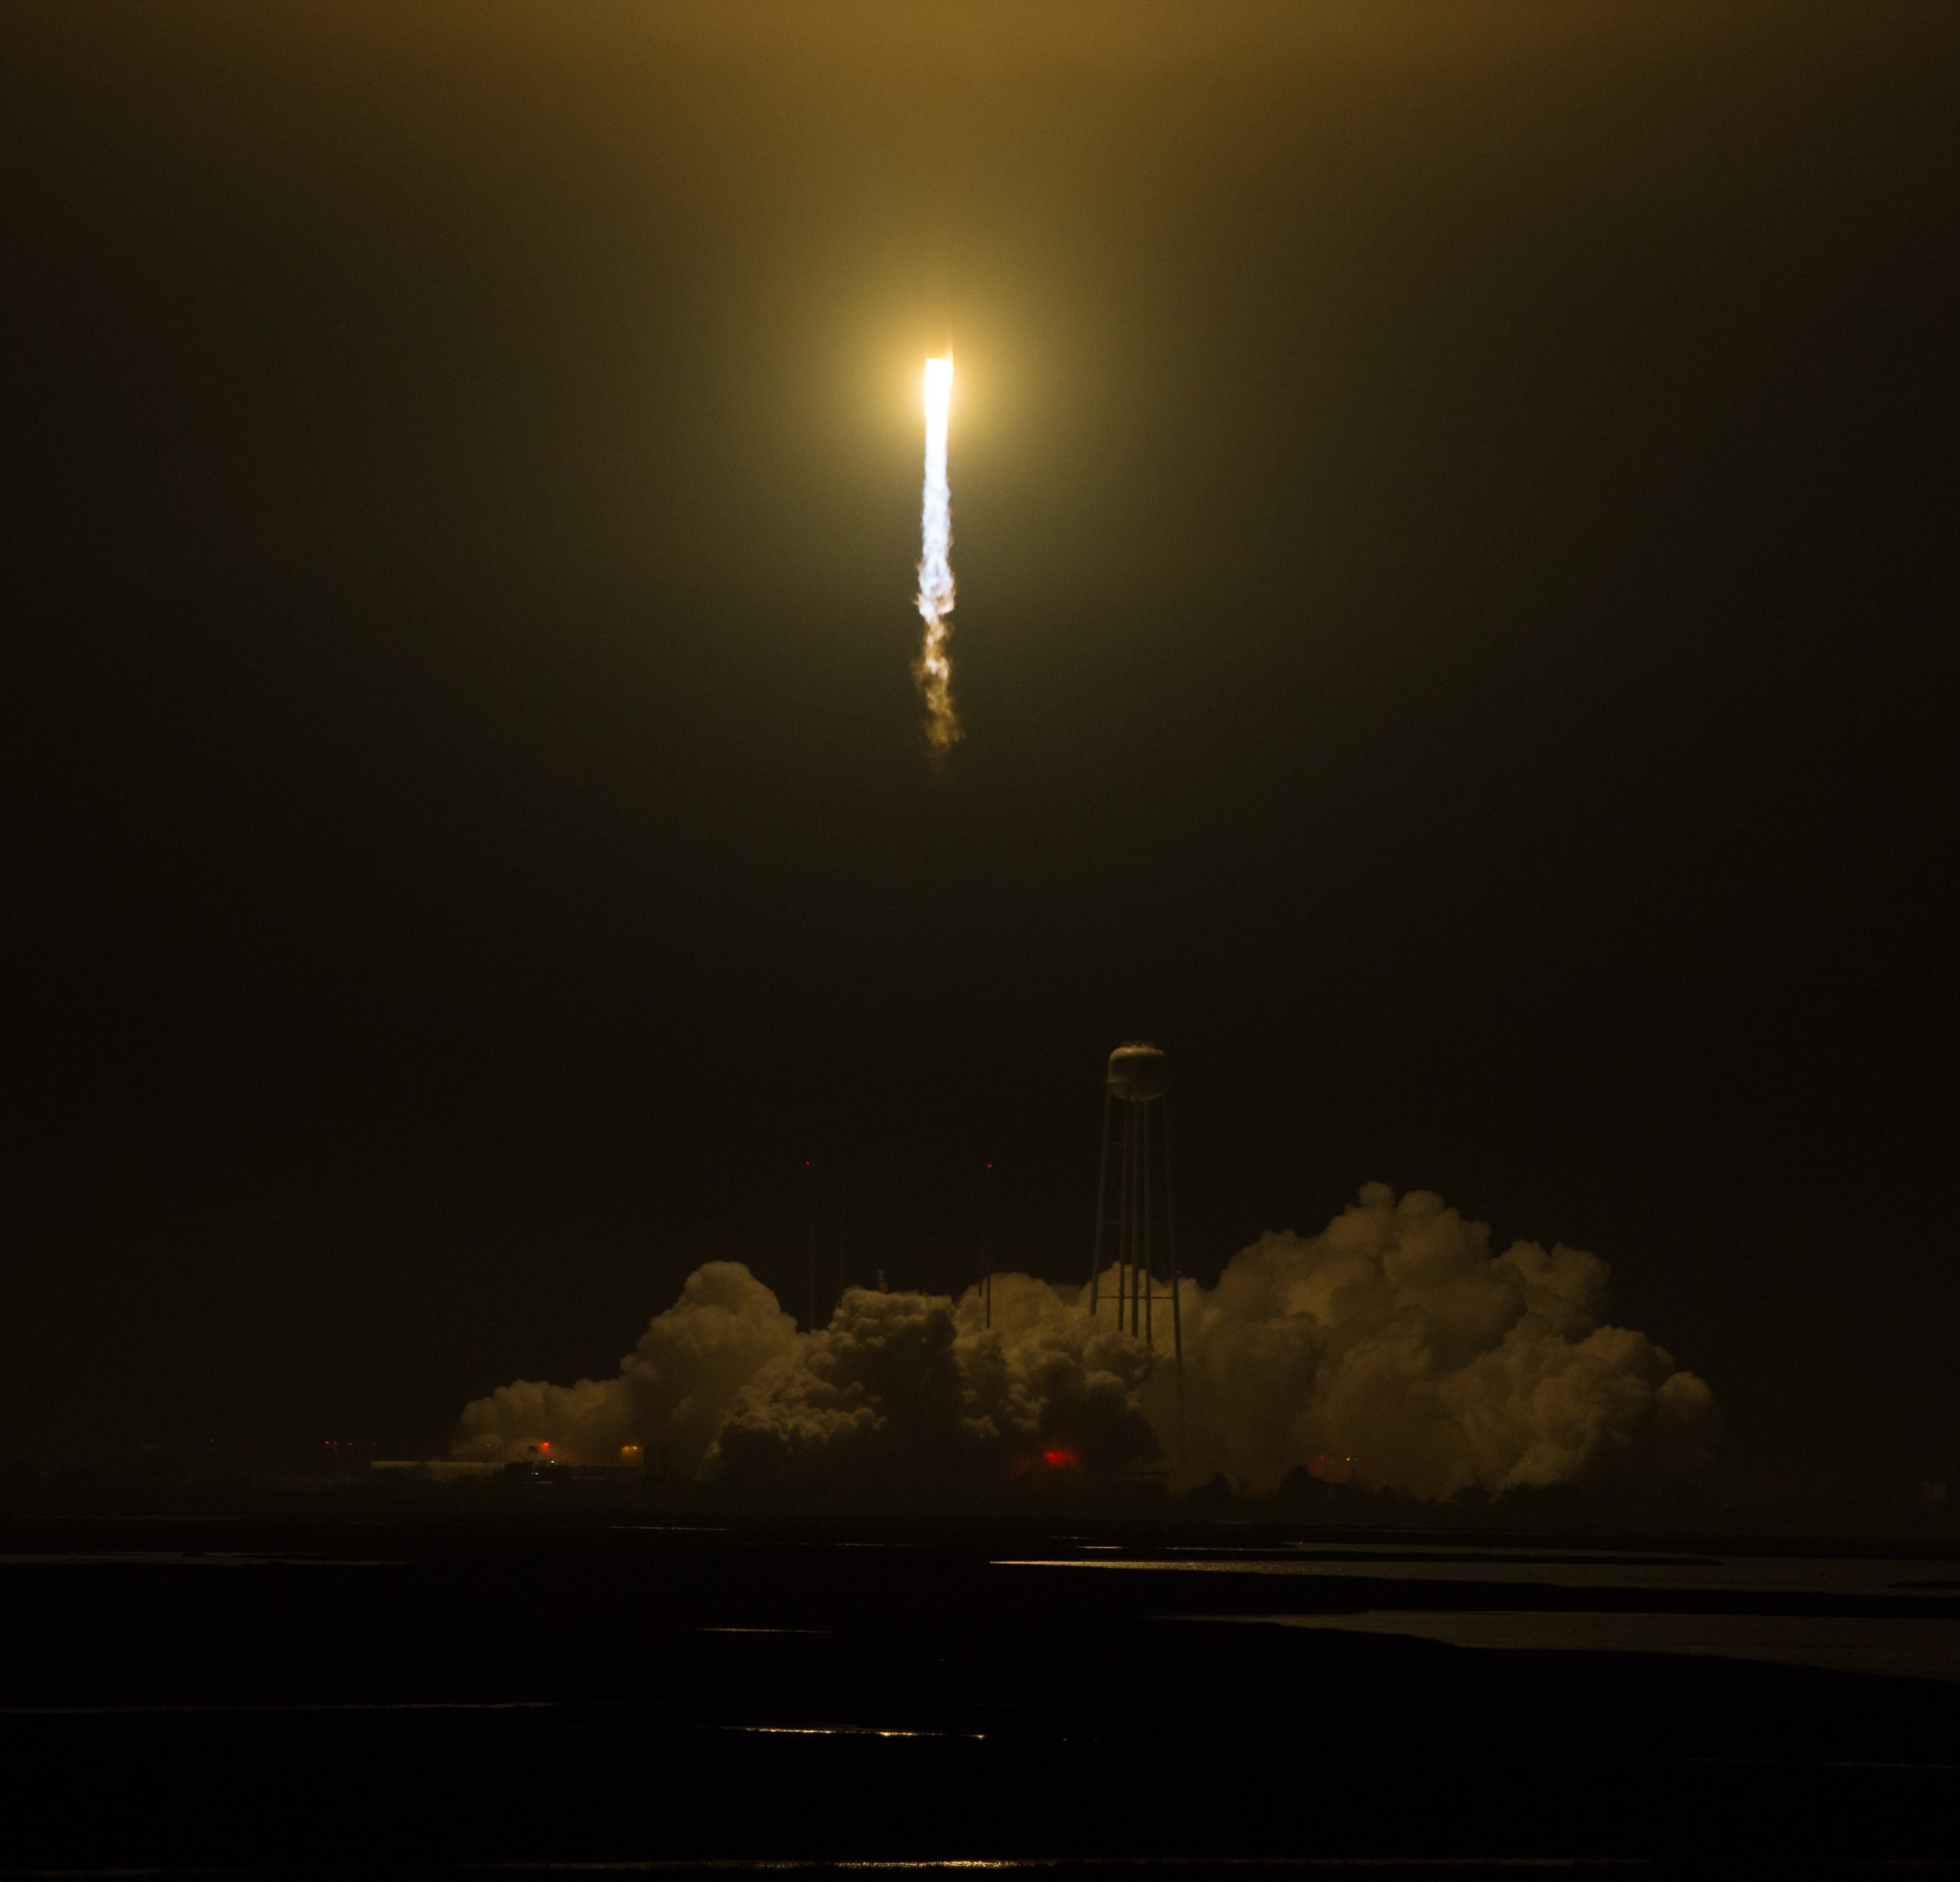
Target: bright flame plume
x,y
933,669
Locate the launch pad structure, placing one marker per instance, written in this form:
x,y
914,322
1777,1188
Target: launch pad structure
x,y
1135,1226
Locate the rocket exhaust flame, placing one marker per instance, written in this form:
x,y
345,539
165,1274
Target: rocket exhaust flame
x,y
933,669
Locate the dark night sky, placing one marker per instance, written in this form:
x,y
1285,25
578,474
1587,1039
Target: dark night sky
x,y
1454,514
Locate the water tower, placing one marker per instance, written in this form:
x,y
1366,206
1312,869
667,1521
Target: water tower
x,y
1133,1221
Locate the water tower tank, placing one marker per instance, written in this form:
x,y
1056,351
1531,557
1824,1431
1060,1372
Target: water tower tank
x,y
1136,1073
1135,1263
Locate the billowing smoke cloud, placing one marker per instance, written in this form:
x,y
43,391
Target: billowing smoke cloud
x,y
674,1391
903,1391
1392,1345
1395,1338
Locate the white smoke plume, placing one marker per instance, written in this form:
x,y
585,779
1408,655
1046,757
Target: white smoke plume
x,y
933,669
896,1392
673,1390
1396,1339
1392,1347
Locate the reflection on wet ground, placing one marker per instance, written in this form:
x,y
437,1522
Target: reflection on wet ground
x,y
188,1558
1847,1575
1921,1650
516,1696
847,1731
1709,1611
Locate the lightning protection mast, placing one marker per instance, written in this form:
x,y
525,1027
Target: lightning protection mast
x,y
1134,1232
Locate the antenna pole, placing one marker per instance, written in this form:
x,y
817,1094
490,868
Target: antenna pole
x,y
987,1246
1101,1201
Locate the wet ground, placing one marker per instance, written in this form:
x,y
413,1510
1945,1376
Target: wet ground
x,y
505,1695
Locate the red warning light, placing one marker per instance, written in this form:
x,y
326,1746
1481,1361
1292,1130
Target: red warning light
x,y
1059,1460
545,1446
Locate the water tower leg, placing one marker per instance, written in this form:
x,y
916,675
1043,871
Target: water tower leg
x,y
1144,1222
1170,1240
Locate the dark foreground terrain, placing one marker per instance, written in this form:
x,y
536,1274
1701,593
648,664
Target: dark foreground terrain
x,y
518,1693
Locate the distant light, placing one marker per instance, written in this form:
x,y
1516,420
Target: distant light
x,y
1060,1459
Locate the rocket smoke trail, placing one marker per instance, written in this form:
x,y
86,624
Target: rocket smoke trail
x,y
933,669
